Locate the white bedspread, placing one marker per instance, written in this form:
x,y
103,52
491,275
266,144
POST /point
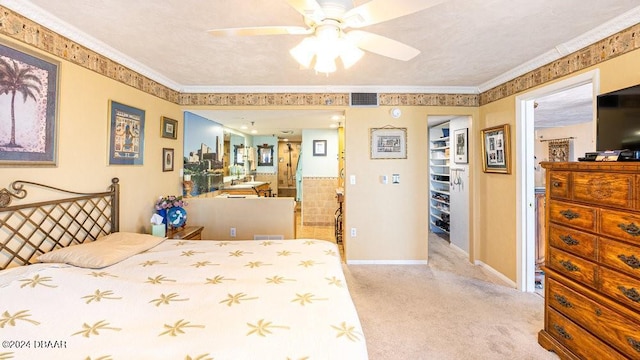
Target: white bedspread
x,y
284,299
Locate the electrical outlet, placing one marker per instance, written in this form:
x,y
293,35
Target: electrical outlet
x,y
232,232
353,232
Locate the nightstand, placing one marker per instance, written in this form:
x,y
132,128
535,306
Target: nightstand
x,y
186,233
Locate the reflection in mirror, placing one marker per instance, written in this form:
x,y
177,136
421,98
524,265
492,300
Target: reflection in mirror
x,y
238,154
265,155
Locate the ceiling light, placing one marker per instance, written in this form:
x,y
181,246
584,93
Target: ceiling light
x,y
328,43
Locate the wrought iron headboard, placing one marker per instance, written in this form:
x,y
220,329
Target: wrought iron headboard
x,y
30,229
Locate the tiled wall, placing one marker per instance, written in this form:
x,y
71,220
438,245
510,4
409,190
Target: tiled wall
x,y
319,202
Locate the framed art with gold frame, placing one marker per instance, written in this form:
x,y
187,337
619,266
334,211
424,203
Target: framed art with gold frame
x,y
169,128
496,150
388,143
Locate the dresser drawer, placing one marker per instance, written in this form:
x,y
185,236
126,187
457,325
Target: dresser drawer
x,y
573,267
620,225
604,189
621,256
573,241
573,215
621,287
578,340
601,321
559,184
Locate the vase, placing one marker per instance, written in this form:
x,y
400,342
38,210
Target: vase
x,y
176,217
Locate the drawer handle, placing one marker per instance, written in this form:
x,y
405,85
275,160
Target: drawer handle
x,y
557,184
563,301
562,332
631,293
630,229
570,215
632,261
567,264
569,240
635,344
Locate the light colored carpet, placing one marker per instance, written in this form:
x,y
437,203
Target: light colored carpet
x,y
448,309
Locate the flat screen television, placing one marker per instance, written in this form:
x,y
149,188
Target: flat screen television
x,y
619,120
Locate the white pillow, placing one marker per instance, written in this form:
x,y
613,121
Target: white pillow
x,y
105,251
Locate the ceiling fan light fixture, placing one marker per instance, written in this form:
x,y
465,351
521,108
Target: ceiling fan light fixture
x,y
304,52
349,53
325,63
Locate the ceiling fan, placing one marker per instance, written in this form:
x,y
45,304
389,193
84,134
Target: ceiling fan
x,y
327,21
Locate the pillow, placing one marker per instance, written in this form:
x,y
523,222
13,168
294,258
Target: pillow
x,y
105,251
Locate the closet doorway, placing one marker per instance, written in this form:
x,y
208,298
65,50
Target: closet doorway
x,y
449,179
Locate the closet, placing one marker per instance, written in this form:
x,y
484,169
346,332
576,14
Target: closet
x,y
449,205
439,177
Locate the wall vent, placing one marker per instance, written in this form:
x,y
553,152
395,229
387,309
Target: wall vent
x,y
268,237
364,99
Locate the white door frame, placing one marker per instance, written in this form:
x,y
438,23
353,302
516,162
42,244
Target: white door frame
x,y
525,184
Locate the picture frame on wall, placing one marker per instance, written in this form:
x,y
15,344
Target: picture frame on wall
x,y
28,107
167,159
461,146
496,149
169,128
319,147
388,143
126,134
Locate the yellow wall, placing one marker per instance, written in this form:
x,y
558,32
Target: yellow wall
x,y
391,220
495,209
83,143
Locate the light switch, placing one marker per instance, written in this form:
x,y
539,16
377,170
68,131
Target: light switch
x,y
352,179
395,178
384,179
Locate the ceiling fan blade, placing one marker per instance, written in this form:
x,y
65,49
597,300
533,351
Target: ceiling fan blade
x,y
310,9
377,11
382,45
261,30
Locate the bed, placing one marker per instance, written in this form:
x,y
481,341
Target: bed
x,y
74,287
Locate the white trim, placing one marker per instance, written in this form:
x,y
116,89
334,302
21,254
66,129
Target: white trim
x,y
508,282
609,28
525,192
387,262
332,89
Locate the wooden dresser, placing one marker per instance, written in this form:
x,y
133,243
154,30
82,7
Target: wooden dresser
x,y
592,267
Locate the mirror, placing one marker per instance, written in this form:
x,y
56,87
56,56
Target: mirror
x,y
265,155
238,154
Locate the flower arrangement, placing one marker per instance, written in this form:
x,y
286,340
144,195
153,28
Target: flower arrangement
x,y
170,201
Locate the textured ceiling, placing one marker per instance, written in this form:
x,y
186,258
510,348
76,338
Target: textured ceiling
x,y
466,45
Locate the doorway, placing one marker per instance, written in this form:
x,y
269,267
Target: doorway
x,y
525,171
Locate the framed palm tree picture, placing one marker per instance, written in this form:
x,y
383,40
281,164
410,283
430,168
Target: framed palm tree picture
x,y
28,107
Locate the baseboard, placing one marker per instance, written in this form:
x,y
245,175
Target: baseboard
x,y
498,274
386,262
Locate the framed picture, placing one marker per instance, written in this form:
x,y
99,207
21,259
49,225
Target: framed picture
x,y
167,159
319,147
126,135
265,155
461,146
495,149
388,143
169,128
28,107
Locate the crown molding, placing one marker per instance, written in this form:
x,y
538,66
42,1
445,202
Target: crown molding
x,y
615,25
72,33
330,89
